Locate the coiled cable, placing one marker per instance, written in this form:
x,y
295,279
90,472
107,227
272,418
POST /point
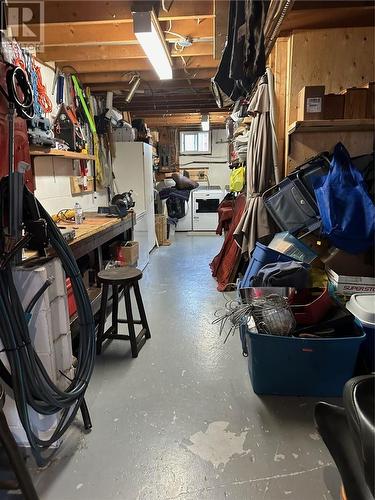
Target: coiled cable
x,y
31,384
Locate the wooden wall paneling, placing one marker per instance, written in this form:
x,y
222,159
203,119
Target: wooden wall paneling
x,y
288,85
304,145
278,62
338,58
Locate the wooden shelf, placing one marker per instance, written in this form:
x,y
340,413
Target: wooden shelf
x,y
359,125
61,153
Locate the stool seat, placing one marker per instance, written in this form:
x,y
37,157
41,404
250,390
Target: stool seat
x,y
122,279
119,275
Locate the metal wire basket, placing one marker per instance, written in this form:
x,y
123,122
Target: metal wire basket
x,y
272,315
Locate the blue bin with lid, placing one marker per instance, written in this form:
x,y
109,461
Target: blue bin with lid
x,y
362,306
293,366
260,256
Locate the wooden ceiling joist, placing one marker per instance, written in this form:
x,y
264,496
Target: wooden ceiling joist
x,y
71,11
157,85
146,76
178,120
124,65
63,34
105,52
320,18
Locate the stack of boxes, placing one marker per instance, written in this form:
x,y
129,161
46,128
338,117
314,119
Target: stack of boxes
x,y
49,329
352,103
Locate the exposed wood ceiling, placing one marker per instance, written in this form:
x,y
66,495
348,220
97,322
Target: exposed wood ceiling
x,y
96,40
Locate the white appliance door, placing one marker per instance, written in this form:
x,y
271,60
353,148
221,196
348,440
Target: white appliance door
x,y
128,169
186,223
149,195
141,235
205,206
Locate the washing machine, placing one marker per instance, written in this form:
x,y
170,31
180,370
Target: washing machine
x,y
205,202
186,223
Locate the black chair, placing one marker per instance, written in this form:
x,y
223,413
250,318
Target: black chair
x,y
122,279
16,461
349,434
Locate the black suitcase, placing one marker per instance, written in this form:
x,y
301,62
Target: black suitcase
x,y
291,203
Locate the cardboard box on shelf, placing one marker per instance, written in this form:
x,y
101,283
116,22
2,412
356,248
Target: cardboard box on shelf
x,y
355,103
128,253
370,106
333,106
310,103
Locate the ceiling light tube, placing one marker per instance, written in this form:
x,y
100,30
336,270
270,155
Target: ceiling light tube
x,y
205,122
151,38
135,83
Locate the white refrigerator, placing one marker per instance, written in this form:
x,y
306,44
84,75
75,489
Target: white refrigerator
x,y
133,169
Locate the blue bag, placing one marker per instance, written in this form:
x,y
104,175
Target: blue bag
x,y
346,209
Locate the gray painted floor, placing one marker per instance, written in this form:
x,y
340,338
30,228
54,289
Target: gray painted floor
x,y
181,421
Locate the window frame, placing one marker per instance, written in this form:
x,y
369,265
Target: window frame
x,y
197,153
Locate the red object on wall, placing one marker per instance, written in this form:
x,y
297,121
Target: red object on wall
x,y
72,306
21,142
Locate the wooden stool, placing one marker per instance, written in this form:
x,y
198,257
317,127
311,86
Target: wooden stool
x,y
9,444
122,278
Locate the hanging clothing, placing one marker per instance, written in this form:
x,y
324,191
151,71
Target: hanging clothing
x,y
254,52
225,265
243,60
255,222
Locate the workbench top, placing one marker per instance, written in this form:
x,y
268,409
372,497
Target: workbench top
x,y
94,231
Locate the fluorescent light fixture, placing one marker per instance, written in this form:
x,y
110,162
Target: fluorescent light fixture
x,y
151,38
205,122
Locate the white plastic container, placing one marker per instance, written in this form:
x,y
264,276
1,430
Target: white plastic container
x,y
362,306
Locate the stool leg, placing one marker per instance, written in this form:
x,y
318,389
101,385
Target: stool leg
x,y
130,319
114,309
141,309
103,307
16,461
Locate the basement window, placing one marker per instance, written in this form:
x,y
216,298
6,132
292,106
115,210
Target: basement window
x,y
195,142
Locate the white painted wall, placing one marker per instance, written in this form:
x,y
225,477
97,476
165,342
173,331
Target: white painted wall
x,y
218,172
52,175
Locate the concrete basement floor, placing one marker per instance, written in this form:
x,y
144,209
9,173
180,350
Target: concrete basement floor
x,y
182,421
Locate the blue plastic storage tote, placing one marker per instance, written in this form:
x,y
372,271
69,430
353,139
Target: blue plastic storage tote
x,y
292,366
261,256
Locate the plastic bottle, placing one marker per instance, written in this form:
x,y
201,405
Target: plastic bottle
x,y
78,214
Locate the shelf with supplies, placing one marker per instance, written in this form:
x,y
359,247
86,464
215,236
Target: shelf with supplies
x,y
73,155
354,125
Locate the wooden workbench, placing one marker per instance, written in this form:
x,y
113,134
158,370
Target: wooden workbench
x,y
95,231
90,236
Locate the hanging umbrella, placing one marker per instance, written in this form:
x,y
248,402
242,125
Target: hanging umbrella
x,y
262,168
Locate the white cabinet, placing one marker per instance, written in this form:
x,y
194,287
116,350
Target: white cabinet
x,y
132,169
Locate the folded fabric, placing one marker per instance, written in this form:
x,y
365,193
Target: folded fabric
x,y
281,274
166,193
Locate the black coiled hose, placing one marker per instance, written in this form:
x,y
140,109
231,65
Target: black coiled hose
x,y
28,378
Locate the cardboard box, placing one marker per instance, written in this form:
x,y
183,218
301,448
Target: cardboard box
x,y
370,107
347,285
333,106
355,103
310,103
128,254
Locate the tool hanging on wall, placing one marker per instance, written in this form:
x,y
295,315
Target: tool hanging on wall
x,y
67,128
